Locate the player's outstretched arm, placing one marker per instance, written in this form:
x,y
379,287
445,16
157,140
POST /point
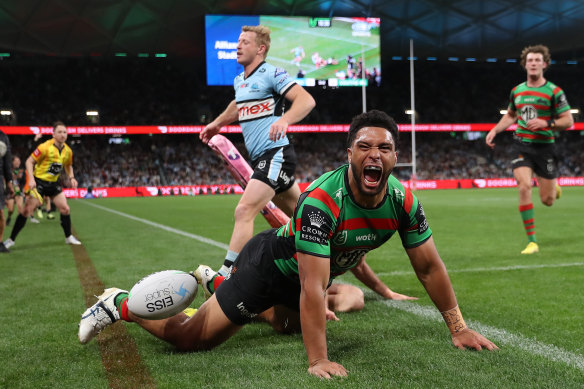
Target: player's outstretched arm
x,y
367,276
314,275
433,275
228,116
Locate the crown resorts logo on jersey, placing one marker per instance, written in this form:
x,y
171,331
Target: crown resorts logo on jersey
x,y
315,225
316,219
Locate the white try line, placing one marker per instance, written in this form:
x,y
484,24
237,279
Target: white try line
x,y
161,226
487,269
497,335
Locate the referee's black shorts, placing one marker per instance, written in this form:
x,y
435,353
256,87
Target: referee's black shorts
x,y
255,283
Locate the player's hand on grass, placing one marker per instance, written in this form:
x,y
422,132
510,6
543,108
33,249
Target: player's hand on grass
x,y
331,316
468,338
398,296
326,369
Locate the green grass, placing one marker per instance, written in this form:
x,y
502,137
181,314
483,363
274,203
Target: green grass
x,y
532,306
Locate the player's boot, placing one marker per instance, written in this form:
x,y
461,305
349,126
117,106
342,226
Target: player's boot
x,y
205,275
558,191
50,215
72,240
8,243
34,220
531,248
99,315
39,213
190,311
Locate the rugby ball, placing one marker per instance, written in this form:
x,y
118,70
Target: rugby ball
x,y
162,294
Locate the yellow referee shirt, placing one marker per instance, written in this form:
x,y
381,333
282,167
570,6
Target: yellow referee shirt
x,y
50,161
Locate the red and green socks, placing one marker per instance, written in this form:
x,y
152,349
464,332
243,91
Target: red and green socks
x,y
121,303
527,215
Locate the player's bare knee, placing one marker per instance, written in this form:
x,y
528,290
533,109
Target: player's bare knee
x,y
548,200
244,212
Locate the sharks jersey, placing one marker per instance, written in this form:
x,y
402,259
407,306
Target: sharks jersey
x,y
260,102
328,223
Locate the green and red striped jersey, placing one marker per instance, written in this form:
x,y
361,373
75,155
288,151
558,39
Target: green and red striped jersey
x,y
545,102
328,223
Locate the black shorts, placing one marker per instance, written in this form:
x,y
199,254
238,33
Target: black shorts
x,y
276,167
255,283
540,157
48,188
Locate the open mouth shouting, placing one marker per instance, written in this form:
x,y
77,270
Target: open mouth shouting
x,y
372,175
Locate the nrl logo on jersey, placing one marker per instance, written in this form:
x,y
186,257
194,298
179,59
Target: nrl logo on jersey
x,y
340,238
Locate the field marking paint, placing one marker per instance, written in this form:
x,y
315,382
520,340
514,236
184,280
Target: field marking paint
x,y
162,226
503,337
498,335
487,269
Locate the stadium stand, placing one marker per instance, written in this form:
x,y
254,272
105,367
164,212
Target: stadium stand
x,y
134,91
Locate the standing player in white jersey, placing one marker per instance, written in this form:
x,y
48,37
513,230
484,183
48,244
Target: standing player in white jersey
x,y
259,107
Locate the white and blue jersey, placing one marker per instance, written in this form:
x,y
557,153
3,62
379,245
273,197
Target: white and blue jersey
x,y
260,102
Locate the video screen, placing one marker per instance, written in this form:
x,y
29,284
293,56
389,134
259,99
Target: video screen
x,y
329,52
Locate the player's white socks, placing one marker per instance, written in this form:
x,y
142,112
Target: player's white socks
x,y
230,257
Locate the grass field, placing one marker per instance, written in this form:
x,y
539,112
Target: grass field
x,y
531,306
335,42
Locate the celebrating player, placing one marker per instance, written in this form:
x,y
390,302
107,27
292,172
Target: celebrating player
x,y
43,169
281,275
259,99
539,107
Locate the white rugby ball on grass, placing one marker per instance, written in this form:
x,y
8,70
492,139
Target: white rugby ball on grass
x,y
162,294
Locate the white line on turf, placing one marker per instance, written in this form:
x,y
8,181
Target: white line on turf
x,y
161,226
487,269
498,335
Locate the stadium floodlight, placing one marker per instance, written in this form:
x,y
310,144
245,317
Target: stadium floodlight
x,y
5,112
503,111
409,112
575,111
92,113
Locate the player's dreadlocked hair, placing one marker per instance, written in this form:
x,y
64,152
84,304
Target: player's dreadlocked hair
x,y
262,36
541,49
373,118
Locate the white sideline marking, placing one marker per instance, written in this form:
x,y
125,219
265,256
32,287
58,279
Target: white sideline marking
x,y
162,226
486,269
498,335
